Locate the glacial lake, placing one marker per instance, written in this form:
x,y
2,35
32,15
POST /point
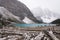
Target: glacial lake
x,y
34,25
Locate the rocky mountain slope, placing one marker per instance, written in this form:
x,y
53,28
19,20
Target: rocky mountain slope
x,y
18,9
57,21
7,17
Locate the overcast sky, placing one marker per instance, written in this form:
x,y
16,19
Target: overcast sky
x,y
53,5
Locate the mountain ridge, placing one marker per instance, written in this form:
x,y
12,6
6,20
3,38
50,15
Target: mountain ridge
x,y
46,15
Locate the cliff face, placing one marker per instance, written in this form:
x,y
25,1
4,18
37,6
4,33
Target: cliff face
x,y
18,9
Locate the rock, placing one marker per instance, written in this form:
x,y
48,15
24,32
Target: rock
x,y
27,35
7,17
18,9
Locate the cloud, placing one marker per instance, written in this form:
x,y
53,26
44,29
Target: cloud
x,y
53,5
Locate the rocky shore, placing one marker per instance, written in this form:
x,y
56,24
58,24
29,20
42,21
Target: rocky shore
x,y
15,34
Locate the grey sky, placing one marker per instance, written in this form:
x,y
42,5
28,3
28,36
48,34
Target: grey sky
x,y
53,5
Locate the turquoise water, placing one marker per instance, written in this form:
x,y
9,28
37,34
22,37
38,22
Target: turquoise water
x,y
34,25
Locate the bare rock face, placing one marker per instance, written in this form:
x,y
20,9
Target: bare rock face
x,y
7,17
18,9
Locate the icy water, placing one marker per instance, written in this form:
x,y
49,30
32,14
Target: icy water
x,y
34,25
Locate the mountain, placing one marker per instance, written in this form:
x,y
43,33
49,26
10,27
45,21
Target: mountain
x,y
46,15
57,21
28,21
7,18
39,18
19,9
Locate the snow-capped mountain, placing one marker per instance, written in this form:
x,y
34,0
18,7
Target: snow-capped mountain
x,y
46,15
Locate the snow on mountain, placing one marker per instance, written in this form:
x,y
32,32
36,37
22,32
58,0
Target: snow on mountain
x,y
46,15
48,19
28,21
19,9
